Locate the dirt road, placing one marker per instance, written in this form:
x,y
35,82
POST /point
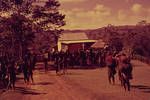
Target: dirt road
x,y
91,84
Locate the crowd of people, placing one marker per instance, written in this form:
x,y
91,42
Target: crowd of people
x,y
7,72
115,62
83,58
120,63
9,67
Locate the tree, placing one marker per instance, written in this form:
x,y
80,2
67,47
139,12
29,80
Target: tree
x,y
113,38
17,27
141,40
49,20
136,40
21,19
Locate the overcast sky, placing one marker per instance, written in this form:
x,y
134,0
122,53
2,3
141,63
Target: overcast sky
x,y
89,14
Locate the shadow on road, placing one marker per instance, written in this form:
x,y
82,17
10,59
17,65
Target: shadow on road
x,y
143,88
50,68
69,73
44,83
28,91
2,86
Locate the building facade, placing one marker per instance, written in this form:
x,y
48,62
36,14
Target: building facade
x,y
74,42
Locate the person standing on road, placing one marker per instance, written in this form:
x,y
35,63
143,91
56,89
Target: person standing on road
x,y
30,71
56,61
111,64
25,68
4,71
46,60
25,71
66,61
61,61
11,75
34,60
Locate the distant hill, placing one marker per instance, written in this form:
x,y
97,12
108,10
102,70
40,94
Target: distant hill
x,y
102,32
133,37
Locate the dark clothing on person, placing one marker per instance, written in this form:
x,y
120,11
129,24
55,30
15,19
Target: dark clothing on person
x,y
61,60
12,76
31,67
46,61
111,64
56,61
31,74
3,73
25,72
66,61
83,57
34,59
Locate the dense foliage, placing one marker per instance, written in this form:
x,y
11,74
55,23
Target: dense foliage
x,y
20,20
130,39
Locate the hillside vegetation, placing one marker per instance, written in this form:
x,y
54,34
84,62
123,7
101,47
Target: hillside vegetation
x,y
133,39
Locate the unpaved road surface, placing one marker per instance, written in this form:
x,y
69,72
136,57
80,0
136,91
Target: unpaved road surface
x,y
89,84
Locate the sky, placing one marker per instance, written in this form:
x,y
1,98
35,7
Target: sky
x,y
92,14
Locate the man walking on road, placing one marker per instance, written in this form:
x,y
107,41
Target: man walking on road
x,y
111,64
